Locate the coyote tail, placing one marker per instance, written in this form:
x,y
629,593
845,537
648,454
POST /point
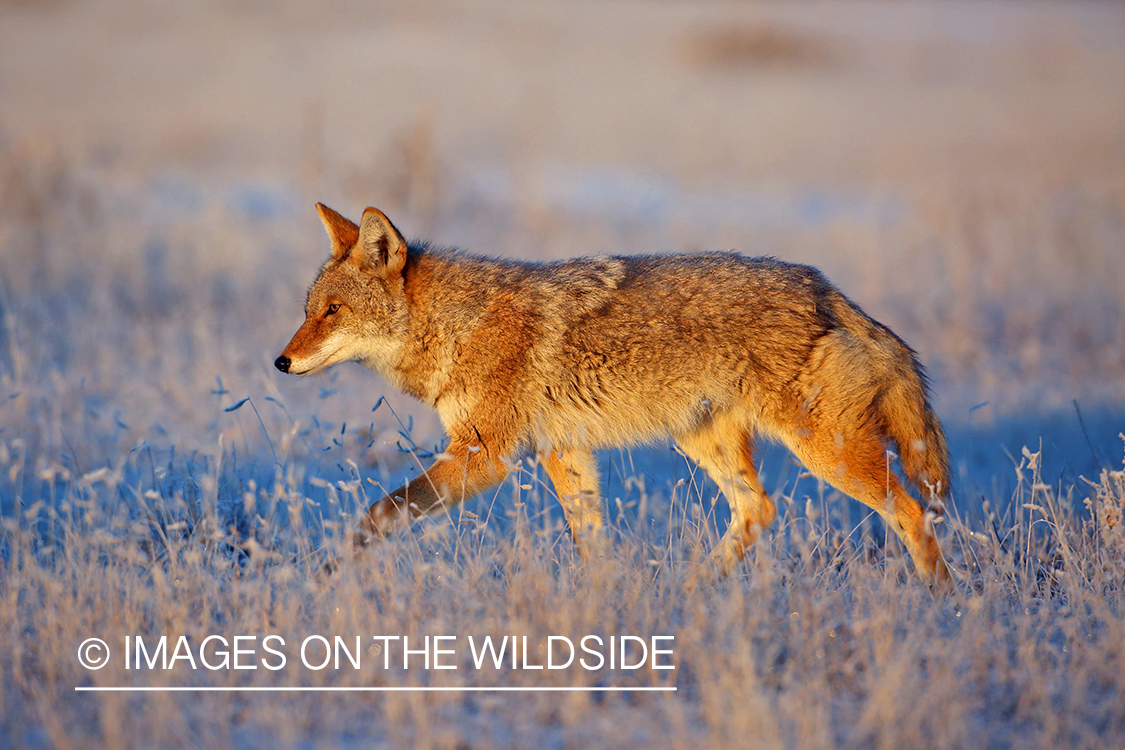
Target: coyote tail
x,y
910,422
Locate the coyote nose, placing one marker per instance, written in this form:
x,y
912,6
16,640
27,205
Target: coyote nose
x,y
282,363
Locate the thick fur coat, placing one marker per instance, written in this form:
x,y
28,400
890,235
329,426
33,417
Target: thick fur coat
x,y
709,349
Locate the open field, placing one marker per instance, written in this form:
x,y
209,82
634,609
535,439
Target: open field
x,y
957,168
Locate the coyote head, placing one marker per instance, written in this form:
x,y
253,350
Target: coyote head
x,y
357,305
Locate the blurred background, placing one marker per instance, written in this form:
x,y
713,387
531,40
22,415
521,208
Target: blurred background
x,y
956,167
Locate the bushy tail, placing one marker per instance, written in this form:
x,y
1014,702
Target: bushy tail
x,y
910,422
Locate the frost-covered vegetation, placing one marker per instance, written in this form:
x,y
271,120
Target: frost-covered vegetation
x,y
138,501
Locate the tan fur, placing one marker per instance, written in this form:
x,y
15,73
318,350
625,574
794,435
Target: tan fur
x,y
563,358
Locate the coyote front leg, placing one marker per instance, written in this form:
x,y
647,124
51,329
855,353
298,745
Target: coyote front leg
x,y
575,477
462,472
722,446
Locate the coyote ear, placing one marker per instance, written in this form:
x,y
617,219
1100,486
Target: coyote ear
x,y
381,248
343,233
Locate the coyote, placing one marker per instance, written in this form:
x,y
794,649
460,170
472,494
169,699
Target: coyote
x,y
561,358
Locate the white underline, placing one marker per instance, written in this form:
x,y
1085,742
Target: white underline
x,y
406,689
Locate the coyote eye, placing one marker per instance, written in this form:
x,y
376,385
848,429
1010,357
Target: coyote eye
x,y
333,309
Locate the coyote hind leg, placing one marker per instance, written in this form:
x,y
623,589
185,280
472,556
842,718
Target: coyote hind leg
x,y
856,464
722,446
574,474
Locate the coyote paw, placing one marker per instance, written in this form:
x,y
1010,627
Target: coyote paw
x,y
592,545
329,568
728,553
940,579
360,540
324,565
